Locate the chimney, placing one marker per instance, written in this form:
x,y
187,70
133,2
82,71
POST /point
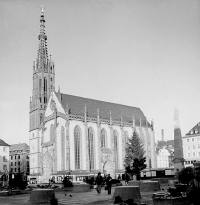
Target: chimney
x,y
162,134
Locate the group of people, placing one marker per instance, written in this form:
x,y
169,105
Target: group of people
x,y
100,181
108,181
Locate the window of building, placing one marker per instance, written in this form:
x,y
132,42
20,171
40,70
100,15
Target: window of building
x,y
5,149
126,137
115,134
18,156
188,147
18,163
103,138
4,159
52,133
193,154
192,139
62,148
188,154
91,148
15,169
4,167
188,140
15,157
11,157
11,163
193,146
77,147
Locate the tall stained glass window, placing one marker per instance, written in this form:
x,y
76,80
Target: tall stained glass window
x,y
77,147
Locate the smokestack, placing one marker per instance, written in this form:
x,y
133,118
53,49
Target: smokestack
x,y
162,134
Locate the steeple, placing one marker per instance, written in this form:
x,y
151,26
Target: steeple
x,y
42,55
43,78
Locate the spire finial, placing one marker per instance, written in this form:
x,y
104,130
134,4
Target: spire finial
x,y
42,10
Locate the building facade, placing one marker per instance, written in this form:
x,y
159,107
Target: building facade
x,y
4,157
75,135
191,145
19,159
165,153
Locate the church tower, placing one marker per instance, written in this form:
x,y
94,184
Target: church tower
x,y
43,85
43,79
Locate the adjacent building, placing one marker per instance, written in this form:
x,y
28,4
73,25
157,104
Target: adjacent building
x,y
191,145
4,157
19,159
68,134
165,153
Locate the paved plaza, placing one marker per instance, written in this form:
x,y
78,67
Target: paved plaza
x,y
75,198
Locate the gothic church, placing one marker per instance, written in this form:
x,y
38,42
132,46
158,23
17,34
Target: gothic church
x,y
75,135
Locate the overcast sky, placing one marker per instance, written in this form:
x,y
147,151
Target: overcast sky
x,y
141,53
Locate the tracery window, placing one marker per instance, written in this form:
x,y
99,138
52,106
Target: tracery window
x,y
77,147
103,138
91,148
115,135
126,137
51,132
62,148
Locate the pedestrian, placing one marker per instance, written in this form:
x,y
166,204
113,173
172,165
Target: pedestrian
x,y
194,185
127,178
99,182
109,183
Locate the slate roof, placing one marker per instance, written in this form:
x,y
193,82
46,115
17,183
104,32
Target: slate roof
x,y
194,130
2,143
77,104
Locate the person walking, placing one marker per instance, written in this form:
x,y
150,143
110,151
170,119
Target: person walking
x,y
127,178
194,186
99,181
109,183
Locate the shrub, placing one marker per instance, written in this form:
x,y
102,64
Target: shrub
x,y
186,175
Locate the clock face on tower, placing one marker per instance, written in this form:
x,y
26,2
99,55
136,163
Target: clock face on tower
x,y
52,105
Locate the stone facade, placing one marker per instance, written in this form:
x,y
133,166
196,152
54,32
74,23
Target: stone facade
x,y
66,131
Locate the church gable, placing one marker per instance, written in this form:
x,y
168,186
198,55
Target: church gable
x,y
53,104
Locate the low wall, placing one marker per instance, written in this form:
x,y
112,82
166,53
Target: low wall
x,y
75,188
128,192
161,180
38,196
146,186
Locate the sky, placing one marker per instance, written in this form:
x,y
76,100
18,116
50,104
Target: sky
x,y
141,53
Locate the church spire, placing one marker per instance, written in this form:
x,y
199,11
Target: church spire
x,y
43,78
42,55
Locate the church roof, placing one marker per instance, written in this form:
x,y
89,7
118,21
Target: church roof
x,y
194,130
2,143
77,104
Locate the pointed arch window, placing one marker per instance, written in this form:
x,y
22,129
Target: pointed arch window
x,y
126,137
103,138
91,148
115,135
77,147
52,133
62,148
